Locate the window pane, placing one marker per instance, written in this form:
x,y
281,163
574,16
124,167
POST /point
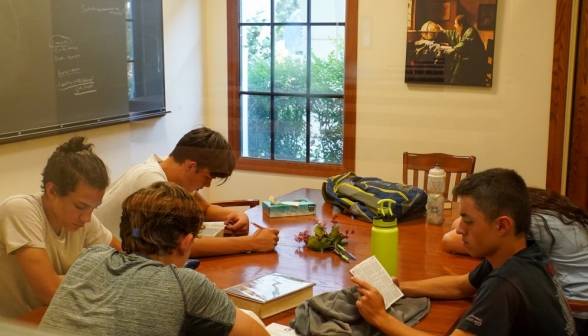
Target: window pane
x,y
129,9
255,126
326,130
290,128
255,58
130,49
328,50
291,11
131,79
290,69
255,11
327,11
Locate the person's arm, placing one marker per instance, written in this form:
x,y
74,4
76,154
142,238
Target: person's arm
x,y
245,325
37,269
445,287
451,241
262,240
236,222
371,306
115,243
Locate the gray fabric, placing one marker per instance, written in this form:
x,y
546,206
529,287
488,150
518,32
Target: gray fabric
x,y
335,313
109,293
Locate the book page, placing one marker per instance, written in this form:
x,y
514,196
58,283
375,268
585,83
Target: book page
x,y
276,329
375,274
268,287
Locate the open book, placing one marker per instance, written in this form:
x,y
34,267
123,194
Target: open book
x,y
375,274
270,294
212,229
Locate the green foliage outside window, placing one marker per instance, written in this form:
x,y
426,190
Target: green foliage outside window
x,y
290,124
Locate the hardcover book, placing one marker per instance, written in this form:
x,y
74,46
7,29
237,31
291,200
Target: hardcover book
x,y
270,294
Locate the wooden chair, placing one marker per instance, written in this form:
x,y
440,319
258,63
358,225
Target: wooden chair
x,y
250,202
458,166
578,305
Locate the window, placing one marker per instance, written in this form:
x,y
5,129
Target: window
x,y
130,49
291,66
145,73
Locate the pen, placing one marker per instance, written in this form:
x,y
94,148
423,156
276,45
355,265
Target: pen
x,y
257,225
351,255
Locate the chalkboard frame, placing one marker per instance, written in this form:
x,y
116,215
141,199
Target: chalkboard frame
x,y
138,108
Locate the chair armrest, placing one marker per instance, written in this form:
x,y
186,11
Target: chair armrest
x,y
578,305
250,202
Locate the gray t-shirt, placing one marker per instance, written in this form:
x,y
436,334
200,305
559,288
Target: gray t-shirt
x,y
110,293
568,254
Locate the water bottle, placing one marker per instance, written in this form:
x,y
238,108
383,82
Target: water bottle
x,y
384,242
435,197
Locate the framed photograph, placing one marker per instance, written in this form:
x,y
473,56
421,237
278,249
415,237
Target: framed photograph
x,y
487,17
450,42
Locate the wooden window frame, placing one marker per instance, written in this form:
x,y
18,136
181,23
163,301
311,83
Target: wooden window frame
x,y
349,103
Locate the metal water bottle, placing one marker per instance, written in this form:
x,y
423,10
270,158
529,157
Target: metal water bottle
x,y
384,242
435,197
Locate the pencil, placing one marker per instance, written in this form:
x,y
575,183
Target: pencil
x,y
257,225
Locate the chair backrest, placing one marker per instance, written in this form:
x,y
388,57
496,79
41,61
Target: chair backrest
x,y
250,202
457,166
578,305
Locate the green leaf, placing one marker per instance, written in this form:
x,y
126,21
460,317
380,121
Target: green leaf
x,y
319,231
314,243
334,231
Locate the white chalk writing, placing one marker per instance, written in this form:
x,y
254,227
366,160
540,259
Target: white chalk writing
x,y
63,73
109,10
69,84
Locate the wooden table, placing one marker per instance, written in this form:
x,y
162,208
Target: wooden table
x,y
420,257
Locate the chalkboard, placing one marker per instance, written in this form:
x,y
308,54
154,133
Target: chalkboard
x,y
64,65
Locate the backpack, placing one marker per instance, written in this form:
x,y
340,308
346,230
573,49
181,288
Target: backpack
x,y
359,196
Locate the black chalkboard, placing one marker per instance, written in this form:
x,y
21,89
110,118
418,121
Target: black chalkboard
x,y
64,63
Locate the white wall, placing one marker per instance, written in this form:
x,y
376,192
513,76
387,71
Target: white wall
x,y
506,125
503,126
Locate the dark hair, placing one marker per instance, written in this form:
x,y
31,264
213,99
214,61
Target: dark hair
x,y
551,203
73,162
498,192
461,19
209,149
155,217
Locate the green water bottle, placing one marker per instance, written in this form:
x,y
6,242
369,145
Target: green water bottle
x,y
385,237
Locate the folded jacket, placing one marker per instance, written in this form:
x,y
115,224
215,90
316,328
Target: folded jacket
x,y
335,313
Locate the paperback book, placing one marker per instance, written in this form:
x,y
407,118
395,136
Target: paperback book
x,y
270,294
212,229
372,271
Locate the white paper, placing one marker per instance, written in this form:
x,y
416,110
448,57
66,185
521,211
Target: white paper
x,y
375,274
276,329
291,203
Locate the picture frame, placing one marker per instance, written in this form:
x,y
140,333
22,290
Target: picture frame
x,y
486,16
451,42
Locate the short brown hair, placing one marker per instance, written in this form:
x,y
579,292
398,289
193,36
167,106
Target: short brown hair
x,y
155,217
209,149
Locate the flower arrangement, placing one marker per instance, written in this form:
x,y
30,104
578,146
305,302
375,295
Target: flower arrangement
x,y
324,240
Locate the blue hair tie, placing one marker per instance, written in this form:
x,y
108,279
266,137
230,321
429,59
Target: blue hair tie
x,y
136,233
